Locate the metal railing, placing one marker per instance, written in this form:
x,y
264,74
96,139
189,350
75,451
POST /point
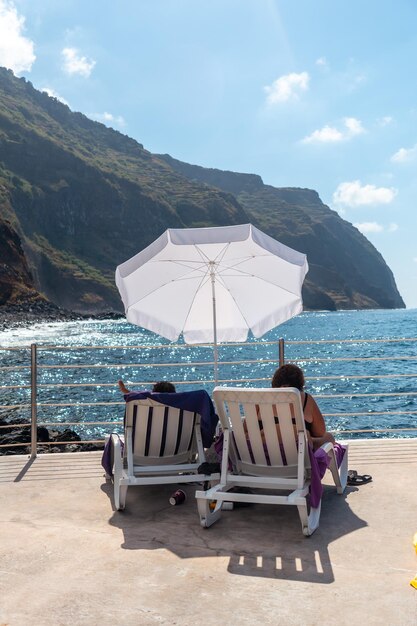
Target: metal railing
x,y
37,366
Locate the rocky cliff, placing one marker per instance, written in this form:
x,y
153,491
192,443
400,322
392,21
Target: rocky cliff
x,y
78,198
346,271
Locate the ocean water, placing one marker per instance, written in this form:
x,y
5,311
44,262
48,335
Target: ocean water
x,y
77,366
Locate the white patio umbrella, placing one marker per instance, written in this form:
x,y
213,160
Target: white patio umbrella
x,y
212,284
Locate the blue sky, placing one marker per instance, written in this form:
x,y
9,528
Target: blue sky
x,y
310,94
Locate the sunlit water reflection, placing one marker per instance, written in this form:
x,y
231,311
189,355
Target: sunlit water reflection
x,y
95,371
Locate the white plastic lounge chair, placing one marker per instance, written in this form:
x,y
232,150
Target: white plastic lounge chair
x,y
162,444
262,459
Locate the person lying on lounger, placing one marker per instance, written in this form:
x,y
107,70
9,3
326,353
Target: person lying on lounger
x,y
162,386
290,375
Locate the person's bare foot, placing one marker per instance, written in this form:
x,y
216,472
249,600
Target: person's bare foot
x,y
122,387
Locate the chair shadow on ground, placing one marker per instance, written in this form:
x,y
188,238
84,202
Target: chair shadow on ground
x,y
260,540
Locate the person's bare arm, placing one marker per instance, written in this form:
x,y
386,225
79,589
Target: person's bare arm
x,y
319,441
319,434
318,425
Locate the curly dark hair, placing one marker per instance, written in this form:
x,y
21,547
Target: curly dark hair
x,y
288,375
163,386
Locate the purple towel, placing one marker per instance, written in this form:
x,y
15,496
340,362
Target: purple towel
x,y
106,458
320,461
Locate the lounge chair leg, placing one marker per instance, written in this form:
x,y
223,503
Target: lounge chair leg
x,y
309,520
339,474
343,472
122,497
208,517
120,492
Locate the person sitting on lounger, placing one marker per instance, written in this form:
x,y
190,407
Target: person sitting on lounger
x,y
162,386
290,375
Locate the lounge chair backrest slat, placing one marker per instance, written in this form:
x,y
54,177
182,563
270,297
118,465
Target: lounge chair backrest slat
x,y
267,414
161,433
172,430
288,431
141,426
240,440
251,413
265,424
154,432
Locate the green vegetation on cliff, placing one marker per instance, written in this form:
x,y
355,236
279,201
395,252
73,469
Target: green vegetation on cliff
x,y
78,198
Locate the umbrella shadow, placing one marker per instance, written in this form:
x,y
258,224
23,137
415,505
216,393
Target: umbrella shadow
x,y
260,540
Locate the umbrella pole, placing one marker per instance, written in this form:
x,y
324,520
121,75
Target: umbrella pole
x,y
216,354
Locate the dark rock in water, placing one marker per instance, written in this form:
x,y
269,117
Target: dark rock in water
x,y
43,434
10,436
18,435
4,421
24,314
64,435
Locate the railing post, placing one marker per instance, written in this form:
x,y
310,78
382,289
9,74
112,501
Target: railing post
x,y
281,346
33,402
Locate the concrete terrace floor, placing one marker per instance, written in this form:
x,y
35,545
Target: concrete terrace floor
x,y
67,558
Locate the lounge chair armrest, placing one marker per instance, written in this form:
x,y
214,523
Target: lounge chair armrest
x,y
117,442
117,454
327,447
339,472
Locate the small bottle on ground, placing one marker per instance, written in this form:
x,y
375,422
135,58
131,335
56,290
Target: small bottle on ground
x,y
177,498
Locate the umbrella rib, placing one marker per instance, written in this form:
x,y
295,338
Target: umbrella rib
x,y
234,300
193,269
242,273
218,274
204,255
182,263
237,262
194,297
222,253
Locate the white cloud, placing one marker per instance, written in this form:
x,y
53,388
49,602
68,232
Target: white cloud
x,y
74,63
374,227
415,259
16,50
322,62
385,121
354,194
287,87
108,119
404,155
369,227
358,80
329,134
353,126
53,94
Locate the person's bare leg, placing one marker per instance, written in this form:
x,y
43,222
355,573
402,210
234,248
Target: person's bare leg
x,y
123,387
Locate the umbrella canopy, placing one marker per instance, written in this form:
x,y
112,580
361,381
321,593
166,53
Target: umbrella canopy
x,y
212,284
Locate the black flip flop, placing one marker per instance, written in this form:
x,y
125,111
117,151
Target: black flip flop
x,y
358,479
209,468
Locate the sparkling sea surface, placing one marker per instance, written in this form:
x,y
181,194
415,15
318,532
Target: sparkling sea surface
x,y
385,368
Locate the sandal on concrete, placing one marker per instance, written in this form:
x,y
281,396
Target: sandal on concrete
x,y
358,479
